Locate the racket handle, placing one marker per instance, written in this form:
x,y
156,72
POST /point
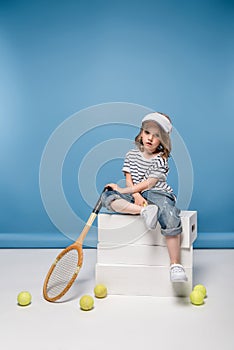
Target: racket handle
x,y
98,205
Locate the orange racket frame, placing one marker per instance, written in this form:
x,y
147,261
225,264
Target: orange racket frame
x,y
77,245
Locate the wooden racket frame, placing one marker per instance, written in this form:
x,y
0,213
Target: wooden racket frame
x,y
76,245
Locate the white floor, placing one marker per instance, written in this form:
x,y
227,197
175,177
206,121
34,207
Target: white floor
x,y
116,322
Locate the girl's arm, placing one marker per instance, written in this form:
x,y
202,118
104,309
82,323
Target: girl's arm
x,y
131,189
138,199
128,179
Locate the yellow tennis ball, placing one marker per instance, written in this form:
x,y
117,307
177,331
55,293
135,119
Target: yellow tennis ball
x,y
24,298
86,302
201,288
196,297
100,291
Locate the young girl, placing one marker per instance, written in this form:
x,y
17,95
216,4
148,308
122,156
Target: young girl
x,y
147,192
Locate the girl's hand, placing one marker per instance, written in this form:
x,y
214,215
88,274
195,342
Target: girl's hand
x,y
114,187
139,200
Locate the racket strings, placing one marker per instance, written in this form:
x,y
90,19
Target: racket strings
x,y
62,273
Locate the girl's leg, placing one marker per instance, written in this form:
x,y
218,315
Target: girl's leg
x,y
173,246
123,206
149,213
112,200
170,222
177,271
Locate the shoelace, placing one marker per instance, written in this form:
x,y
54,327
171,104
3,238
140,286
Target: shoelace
x,y
177,269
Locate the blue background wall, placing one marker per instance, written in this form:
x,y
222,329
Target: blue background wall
x,y
58,57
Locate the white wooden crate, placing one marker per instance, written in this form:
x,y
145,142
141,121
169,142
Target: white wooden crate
x,y
132,260
129,229
139,254
141,280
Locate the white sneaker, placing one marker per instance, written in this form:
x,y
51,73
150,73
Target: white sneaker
x,y
177,273
150,215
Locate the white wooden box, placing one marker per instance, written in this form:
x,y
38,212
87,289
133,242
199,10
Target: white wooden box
x,y
141,280
129,229
136,254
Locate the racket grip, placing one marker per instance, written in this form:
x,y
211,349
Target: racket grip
x,y
98,205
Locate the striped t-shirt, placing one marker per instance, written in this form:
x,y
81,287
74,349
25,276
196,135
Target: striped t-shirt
x,y
142,168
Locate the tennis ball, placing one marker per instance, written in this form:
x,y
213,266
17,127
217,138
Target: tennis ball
x,y
100,291
24,298
196,297
201,288
86,302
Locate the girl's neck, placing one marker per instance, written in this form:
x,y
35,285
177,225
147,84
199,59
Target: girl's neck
x,y
148,155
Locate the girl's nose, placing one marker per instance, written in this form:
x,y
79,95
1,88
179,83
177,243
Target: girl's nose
x,y
150,137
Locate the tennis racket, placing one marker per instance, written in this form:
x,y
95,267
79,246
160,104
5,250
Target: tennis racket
x,y
64,270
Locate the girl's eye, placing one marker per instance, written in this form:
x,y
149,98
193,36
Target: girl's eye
x,y
148,133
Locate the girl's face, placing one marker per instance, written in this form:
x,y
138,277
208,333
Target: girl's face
x,y
150,138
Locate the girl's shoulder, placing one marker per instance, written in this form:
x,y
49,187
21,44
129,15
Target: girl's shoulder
x,y
133,152
159,157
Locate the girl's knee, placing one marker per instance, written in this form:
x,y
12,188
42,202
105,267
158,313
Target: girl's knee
x,y
170,221
108,197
